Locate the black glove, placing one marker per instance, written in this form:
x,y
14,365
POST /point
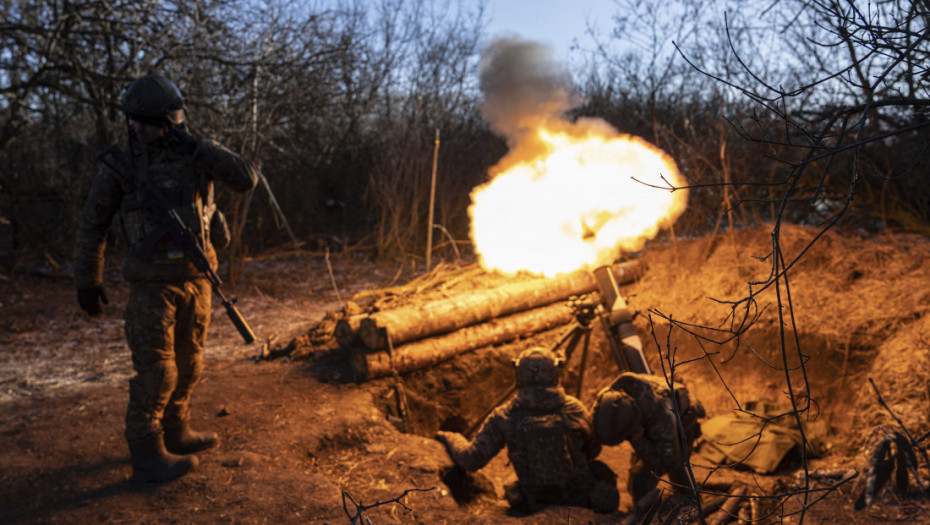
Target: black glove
x,y
90,299
186,143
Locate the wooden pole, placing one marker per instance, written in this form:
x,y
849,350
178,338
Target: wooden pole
x,y
432,200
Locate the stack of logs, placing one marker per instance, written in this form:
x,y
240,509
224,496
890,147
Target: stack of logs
x,y
426,334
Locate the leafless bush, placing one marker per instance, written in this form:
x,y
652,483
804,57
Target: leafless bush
x,y
838,107
324,99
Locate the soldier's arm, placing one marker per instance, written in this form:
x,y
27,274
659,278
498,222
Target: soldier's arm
x,y
101,205
580,422
471,456
222,165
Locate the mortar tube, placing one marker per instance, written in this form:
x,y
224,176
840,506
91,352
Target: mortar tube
x,y
618,323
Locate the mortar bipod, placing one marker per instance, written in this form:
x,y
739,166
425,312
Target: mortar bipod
x,y
584,313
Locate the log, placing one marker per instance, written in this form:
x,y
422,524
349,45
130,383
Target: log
x,y
434,350
730,508
346,330
415,322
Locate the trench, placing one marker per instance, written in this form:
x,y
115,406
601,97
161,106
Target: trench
x,y
457,394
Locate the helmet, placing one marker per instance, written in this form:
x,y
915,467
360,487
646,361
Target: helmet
x,y
537,367
153,98
616,416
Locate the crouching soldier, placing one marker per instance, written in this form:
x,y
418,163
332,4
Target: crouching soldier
x,y
549,442
639,408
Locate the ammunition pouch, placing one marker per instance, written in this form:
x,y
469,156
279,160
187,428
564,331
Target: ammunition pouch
x,y
141,233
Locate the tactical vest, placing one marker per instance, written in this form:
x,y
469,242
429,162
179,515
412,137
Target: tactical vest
x,y
152,252
542,451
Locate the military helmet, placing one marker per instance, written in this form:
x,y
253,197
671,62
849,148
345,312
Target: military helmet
x,y
616,416
152,97
537,367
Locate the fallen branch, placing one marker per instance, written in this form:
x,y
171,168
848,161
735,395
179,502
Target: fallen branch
x,y
435,276
360,509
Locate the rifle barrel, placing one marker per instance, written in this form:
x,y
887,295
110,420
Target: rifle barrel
x,y
239,322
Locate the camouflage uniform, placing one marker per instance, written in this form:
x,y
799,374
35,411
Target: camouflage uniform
x,y
169,301
551,446
639,408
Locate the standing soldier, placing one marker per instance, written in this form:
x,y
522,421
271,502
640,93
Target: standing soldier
x,y
169,305
639,408
549,442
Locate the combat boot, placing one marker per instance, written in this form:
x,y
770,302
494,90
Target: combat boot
x,y
645,505
181,439
152,463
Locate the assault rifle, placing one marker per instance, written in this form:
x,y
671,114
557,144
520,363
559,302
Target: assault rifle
x,y
182,236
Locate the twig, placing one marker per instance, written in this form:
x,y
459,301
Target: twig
x,y
451,241
332,277
360,508
916,443
399,393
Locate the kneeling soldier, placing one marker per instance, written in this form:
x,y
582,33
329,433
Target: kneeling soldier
x,y
639,408
549,442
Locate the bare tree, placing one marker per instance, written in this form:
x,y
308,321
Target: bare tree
x,y
61,73
839,105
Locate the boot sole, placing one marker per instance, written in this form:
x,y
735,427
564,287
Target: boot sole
x,y
178,470
182,451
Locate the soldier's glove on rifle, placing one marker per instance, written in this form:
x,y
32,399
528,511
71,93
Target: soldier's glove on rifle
x,y
90,299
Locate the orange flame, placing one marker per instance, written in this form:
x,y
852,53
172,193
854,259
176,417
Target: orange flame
x,y
573,203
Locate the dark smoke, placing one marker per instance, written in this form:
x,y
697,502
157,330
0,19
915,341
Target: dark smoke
x,y
523,86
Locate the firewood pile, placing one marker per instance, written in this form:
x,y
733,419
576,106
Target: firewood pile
x,y
450,311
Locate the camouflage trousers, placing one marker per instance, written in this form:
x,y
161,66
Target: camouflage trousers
x,y
166,327
596,491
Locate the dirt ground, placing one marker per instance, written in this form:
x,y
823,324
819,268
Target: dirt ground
x,y
302,444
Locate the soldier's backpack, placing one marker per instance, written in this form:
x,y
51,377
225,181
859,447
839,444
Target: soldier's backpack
x,y
547,456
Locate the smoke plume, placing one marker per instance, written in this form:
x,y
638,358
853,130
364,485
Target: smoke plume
x,y
524,87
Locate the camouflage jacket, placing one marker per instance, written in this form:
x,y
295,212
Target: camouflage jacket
x,y
503,427
183,175
660,442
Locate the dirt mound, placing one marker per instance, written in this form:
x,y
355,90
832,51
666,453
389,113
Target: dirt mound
x,y
855,303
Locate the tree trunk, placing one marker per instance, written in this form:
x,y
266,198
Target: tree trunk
x,y
415,322
434,350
